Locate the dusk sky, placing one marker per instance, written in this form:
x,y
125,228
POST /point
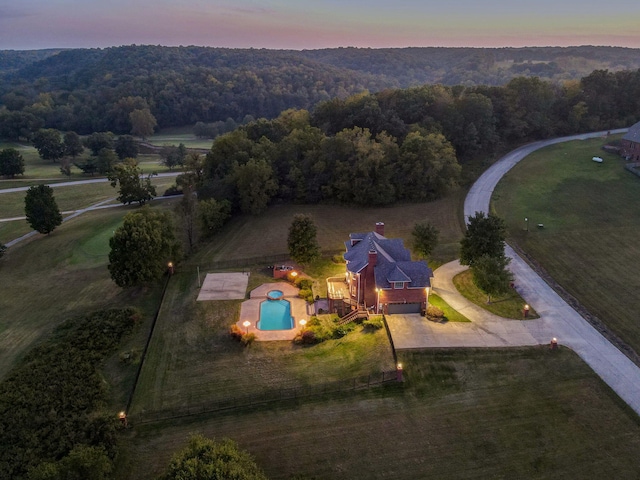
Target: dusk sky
x,y
291,24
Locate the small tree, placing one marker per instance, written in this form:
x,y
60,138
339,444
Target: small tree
x,y
142,248
132,187
11,163
490,274
425,238
105,161
485,235
302,242
41,209
173,156
205,459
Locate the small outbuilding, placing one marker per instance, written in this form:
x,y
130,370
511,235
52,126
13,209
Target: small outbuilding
x,y
630,144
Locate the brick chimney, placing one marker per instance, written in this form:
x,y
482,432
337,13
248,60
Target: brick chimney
x,y
380,228
373,258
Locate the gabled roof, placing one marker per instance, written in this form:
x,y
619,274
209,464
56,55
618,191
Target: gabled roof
x,y
393,261
633,134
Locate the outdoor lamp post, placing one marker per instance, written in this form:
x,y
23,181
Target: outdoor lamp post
x,y
377,300
525,311
526,223
399,372
303,322
554,343
122,416
246,324
170,267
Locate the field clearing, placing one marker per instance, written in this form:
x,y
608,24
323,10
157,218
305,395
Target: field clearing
x,y
505,413
170,137
591,217
249,236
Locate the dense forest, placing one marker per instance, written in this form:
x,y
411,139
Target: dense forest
x,y
89,90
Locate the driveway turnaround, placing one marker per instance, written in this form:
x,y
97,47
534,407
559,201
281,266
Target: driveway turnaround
x,y
558,319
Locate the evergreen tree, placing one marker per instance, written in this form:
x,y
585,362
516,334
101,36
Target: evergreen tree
x,y
485,235
11,162
425,238
41,209
302,241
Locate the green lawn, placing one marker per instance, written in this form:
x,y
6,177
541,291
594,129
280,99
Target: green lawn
x,y
505,413
450,315
591,217
192,360
510,305
178,136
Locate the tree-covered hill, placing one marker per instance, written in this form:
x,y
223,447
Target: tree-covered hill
x,y
89,90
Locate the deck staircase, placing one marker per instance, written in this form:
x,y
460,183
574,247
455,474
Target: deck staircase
x,y
353,315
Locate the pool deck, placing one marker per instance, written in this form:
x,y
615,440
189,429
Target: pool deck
x,y
250,311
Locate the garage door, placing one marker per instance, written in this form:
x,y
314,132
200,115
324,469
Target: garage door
x,y
395,308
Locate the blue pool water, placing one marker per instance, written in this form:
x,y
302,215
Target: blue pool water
x,y
275,294
275,315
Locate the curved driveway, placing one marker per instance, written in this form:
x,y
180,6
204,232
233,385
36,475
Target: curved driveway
x,y
558,319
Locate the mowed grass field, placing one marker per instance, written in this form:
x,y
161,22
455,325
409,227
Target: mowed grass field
x,y
176,136
591,216
255,236
51,278
506,413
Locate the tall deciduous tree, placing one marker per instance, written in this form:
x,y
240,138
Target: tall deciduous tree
x,y
41,209
133,188
256,185
485,235
205,459
212,215
48,143
99,140
72,144
142,248
142,123
425,238
11,163
126,147
490,275
302,241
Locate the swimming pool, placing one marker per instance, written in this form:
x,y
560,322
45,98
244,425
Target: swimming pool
x,y
275,315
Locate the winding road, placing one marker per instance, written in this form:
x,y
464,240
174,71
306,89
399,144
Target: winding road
x,y
557,318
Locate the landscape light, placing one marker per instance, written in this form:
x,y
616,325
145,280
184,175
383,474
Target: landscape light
x,y
303,322
246,324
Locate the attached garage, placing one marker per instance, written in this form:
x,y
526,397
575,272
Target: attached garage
x,y
401,308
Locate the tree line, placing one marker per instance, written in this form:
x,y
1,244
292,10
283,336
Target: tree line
x,y
97,90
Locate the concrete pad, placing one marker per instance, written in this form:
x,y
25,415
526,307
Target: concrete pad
x,y
224,286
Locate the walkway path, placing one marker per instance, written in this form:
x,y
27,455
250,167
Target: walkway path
x,y
558,319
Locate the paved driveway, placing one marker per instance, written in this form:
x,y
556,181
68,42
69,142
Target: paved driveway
x,y
557,318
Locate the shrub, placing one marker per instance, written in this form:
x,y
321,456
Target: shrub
x,y
338,259
434,313
306,294
304,283
372,324
172,190
236,332
340,331
305,337
248,339
313,322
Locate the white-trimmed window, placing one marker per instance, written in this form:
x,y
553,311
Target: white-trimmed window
x,y
398,285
